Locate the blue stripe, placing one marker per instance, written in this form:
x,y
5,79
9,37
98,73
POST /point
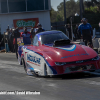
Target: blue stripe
x,y
31,68
54,71
68,49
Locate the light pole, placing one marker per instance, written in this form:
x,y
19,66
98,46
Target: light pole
x,y
71,27
81,6
65,12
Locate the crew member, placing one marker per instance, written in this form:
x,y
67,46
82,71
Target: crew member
x,y
11,40
32,32
86,31
69,30
76,32
16,34
27,37
39,28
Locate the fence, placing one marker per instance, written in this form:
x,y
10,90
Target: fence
x,y
58,26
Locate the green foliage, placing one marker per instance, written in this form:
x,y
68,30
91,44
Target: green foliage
x,y
91,9
72,7
93,19
90,3
53,15
95,26
59,18
91,12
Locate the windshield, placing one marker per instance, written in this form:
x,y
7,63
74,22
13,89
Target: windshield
x,y
50,38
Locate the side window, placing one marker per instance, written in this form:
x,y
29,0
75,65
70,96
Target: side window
x,y
35,41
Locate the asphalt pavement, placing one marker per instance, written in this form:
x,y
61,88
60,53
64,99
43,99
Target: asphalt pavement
x,y
13,79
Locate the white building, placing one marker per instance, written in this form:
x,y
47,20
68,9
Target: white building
x,y
20,13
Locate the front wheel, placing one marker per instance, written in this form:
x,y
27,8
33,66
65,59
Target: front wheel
x,y
29,71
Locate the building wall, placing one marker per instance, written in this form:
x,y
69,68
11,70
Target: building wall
x,y
7,19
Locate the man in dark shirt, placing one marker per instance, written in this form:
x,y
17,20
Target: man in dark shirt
x,y
76,33
10,40
98,30
69,30
39,28
32,32
86,31
16,35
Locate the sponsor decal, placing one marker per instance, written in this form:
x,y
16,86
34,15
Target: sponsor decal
x,y
22,23
30,22
33,59
20,41
75,55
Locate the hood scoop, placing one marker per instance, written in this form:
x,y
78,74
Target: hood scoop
x,y
61,43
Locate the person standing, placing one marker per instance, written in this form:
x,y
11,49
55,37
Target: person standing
x,y
39,28
27,37
98,28
69,30
11,40
32,32
76,32
86,31
7,40
67,33
16,35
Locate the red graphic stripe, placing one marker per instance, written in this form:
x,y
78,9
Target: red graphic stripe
x,y
33,63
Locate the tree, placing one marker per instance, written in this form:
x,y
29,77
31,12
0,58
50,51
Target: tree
x,y
93,3
53,15
72,7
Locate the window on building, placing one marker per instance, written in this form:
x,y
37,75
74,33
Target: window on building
x,y
17,5
4,6
46,5
20,5
33,5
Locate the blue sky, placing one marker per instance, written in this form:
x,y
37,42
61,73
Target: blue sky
x,y
55,3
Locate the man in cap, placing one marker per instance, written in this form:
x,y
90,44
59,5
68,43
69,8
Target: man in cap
x,y
27,37
39,28
86,31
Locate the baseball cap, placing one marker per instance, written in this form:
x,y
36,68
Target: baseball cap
x,y
25,28
84,19
39,24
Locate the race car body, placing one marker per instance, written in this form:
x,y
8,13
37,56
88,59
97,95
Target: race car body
x,y
52,53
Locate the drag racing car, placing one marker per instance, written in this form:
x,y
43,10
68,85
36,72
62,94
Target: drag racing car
x,y
52,53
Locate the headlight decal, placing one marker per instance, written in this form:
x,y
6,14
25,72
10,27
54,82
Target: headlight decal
x,y
60,63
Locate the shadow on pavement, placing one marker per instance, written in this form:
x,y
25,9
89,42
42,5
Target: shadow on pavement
x,y
72,76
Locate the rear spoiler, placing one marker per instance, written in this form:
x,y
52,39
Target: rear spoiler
x,y
61,42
